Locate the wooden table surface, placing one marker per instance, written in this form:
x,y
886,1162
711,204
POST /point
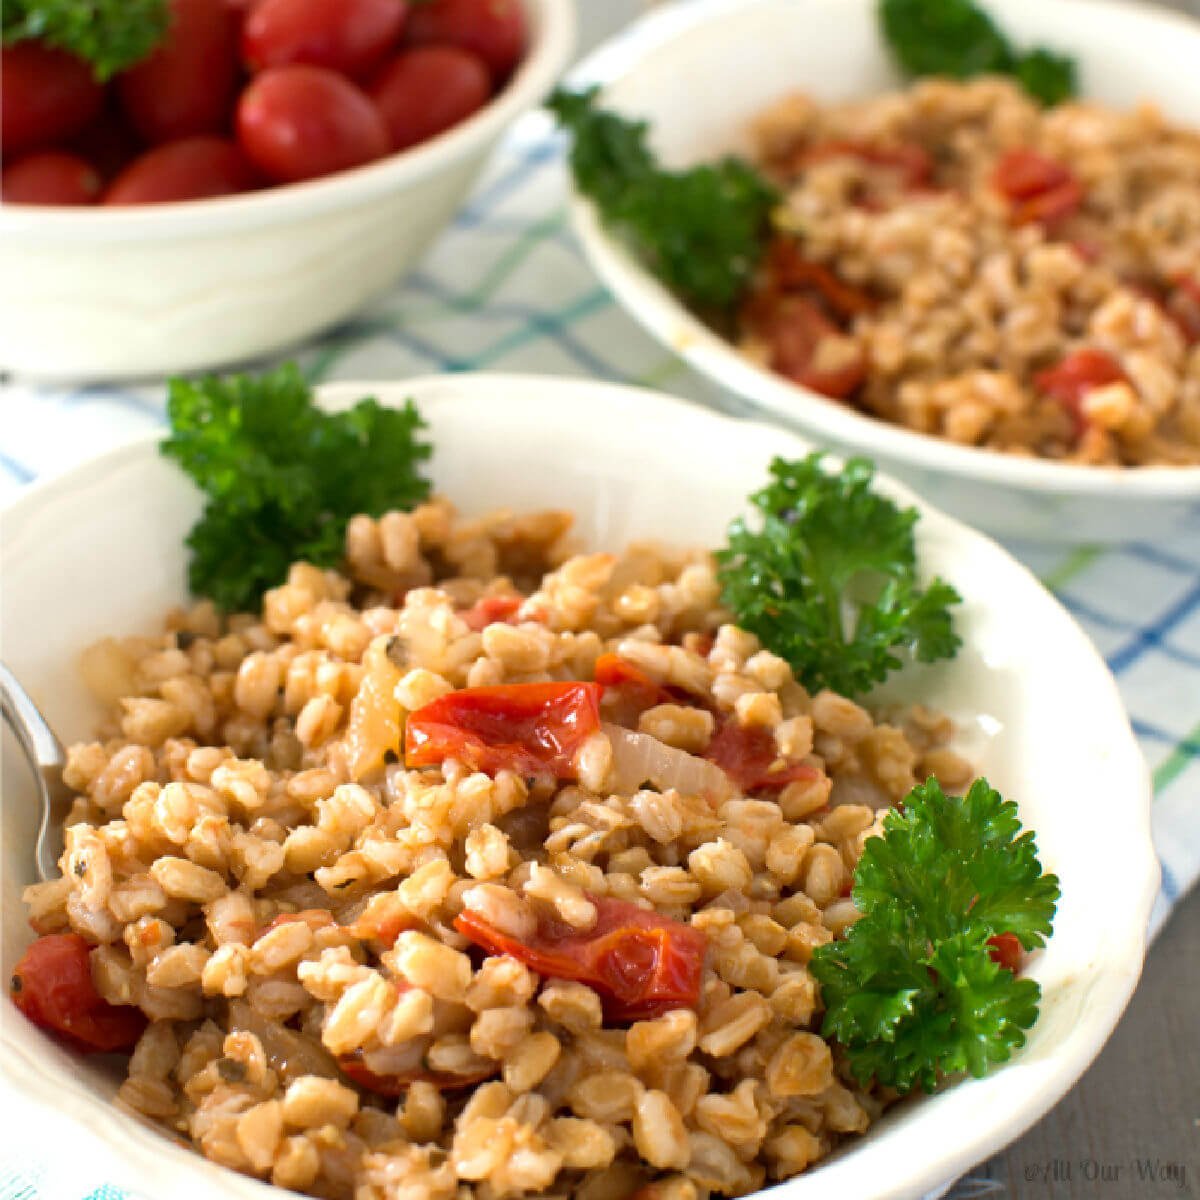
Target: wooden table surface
x,y
1131,1127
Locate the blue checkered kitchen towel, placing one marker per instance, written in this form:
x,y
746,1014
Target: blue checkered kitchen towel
x,y
506,289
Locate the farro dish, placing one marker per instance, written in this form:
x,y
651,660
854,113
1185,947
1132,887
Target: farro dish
x,y
478,419
287,904
957,260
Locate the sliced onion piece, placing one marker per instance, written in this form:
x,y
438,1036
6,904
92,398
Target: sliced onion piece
x,y
638,759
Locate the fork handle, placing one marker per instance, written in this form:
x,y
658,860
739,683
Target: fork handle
x,y
46,758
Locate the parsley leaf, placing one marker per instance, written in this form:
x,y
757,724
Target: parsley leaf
x,y
911,991
108,34
281,477
958,39
701,231
827,578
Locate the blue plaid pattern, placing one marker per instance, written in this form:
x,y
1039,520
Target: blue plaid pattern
x,y
506,289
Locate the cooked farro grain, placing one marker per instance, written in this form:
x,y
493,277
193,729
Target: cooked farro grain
x,y
285,901
1003,275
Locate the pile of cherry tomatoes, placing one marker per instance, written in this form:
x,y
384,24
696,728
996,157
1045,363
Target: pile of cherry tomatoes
x,y
250,93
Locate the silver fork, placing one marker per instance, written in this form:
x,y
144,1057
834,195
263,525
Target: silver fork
x,y
46,758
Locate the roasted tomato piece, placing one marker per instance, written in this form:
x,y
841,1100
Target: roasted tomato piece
x,y
749,756
800,337
1040,189
613,671
1005,949
642,963
793,272
527,727
912,161
492,609
1069,380
396,1085
52,985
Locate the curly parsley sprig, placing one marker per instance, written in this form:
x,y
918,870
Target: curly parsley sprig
x,y
110,35
827,578
702,231
281,477
958,39
911,991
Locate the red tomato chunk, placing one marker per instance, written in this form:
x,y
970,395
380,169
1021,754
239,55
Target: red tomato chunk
x,y
1040,189
642,963
1069,380
1183,306
527,727
751,759
52,985
1005,949
631,682
397,1085
913,162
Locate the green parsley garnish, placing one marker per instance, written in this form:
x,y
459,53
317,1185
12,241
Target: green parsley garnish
x,y
827,578
958,39
911,991
701,231
281,477
108,34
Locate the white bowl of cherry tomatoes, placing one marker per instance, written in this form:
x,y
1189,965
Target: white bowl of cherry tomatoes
x,y
262,171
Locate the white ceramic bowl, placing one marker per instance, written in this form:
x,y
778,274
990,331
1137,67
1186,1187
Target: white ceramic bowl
x,y
700,72
119,293
99,550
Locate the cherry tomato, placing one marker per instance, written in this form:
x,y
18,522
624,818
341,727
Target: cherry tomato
x,y
46,96
300,122
186,86
749,756
1005,949
52,985
643,963
50,177
350,36
526,727
1069,380
428,89
493,29
195,168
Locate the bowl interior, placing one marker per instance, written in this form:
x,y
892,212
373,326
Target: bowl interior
x,y
751,53
98,551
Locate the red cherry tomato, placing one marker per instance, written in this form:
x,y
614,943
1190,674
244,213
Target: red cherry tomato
x,y
52,985
45,96
190,169
642,963
350,36
493,29
300,122
50,177
427,90
526,727
186,86
751,759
